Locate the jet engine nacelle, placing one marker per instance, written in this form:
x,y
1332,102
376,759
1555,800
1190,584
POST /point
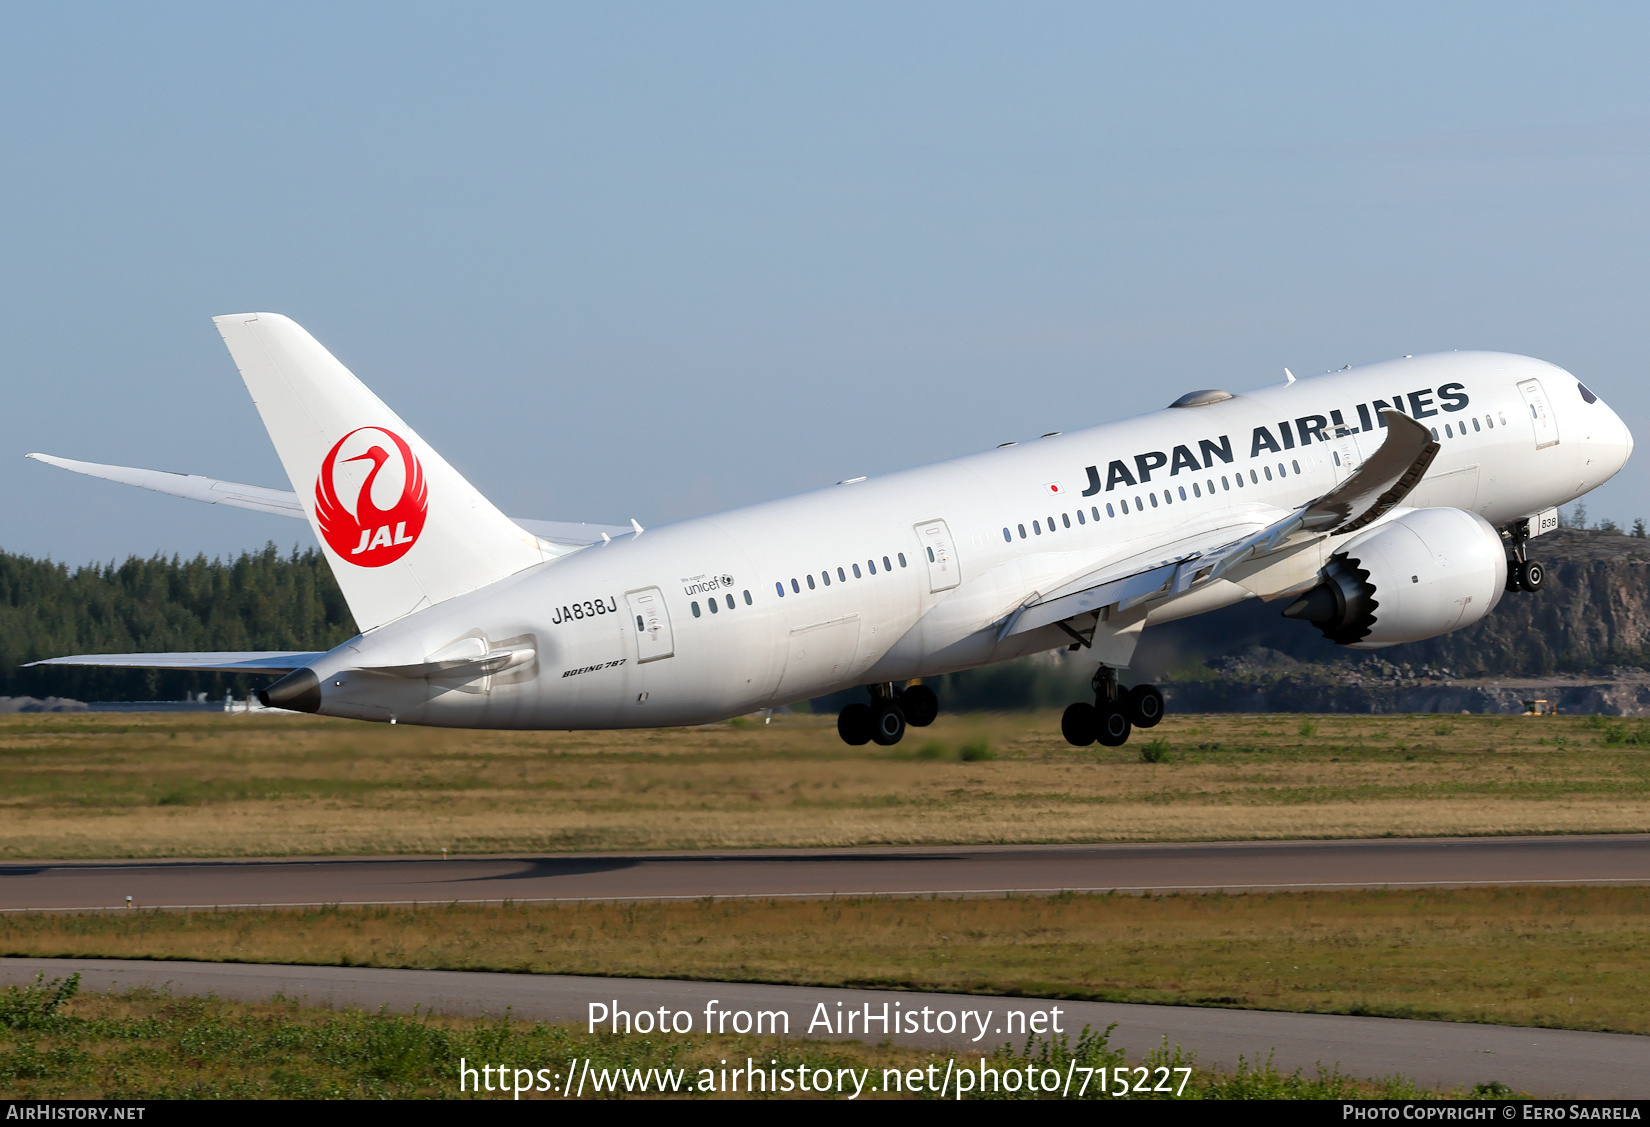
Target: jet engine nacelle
x,y
1419,575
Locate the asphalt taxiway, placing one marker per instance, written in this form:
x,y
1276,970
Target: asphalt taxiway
x,y
1438,1055
913,871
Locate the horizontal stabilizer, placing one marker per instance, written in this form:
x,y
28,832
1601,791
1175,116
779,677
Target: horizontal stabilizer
x,y
284,502
245,661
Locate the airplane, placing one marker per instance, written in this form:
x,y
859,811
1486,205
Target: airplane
x,y
1382,504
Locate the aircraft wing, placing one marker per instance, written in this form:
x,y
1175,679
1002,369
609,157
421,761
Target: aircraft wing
x,y
1270,557
284,502
248,661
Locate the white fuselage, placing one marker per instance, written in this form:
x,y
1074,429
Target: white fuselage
x,y
837,587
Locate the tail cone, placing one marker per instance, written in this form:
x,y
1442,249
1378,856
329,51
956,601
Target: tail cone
x,y
299,691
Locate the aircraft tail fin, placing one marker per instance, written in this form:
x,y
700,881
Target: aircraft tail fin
x,y
401,528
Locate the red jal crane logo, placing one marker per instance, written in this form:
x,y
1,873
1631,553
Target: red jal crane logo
x,y
356,527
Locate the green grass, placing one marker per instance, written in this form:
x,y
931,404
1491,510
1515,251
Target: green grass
x,y
169,785
143,1045
1572,958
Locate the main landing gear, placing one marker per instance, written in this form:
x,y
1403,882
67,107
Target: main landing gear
x,y
1114,713
884,720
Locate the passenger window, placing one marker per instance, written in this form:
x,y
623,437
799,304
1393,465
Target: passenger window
x,y
695,610
886,566
1037,527
1124,505
871,566
1268,470
639,625
1153,496
842,575
1448,433
1196,492
1296,464
1434,430
902,559
1109,511
1281,471
1211,487
747,597
1224,484
1335,456
811,583
1096,511
730,602
1502,415
1476,429
780,587
1051,524
1080,518
1253,480
712,603
1065,518
1489,422
796,588
857,575
1139,504
931,559
1022,531
1008,537
1168,498
1183,491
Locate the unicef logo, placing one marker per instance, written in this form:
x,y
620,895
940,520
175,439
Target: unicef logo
x,y
727,581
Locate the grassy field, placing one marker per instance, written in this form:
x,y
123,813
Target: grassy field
x,y
1561,957
225,785
55,1043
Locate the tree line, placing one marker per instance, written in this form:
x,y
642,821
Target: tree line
x,y
255,601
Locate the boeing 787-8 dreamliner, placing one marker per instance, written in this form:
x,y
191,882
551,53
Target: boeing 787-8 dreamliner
x,y
1382,504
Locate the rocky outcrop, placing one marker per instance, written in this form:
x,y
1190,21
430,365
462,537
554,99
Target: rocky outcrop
x,y
1593,613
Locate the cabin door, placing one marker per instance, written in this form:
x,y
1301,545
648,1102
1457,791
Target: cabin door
x,y
1541,415
650,623
941,553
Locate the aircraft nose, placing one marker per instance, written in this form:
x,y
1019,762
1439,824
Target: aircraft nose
x,y
1612,438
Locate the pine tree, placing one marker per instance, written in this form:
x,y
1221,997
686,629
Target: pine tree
x,y
257,601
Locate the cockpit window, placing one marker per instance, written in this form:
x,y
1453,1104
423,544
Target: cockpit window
x,y
1585,394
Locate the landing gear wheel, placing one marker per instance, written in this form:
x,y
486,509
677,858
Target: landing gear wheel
x,y
1531,575
1145,706
1113,726
920,705
1079,724
853,724
887,724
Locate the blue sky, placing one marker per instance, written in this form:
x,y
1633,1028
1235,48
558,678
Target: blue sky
x,y
657,260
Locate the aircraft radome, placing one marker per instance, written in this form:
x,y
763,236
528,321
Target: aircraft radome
x,y
1382,504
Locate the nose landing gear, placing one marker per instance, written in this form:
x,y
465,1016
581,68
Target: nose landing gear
x,y
1114,713
884,720
1523,573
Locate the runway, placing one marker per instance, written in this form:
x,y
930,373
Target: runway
x,y
1438,1055
942,871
